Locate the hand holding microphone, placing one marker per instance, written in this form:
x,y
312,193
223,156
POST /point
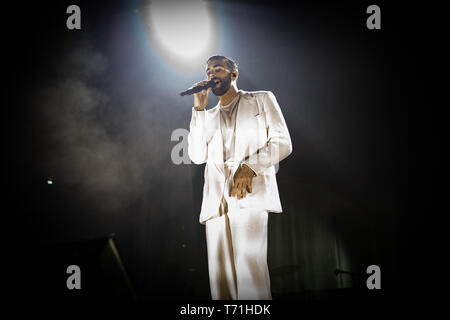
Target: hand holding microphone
x,y
200,95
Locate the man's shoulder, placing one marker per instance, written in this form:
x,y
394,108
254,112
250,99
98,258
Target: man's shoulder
x,y
254,94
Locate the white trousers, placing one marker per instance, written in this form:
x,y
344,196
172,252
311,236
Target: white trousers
x,y
237,255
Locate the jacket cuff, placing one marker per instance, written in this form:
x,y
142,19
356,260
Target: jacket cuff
x,y
245,163
198,117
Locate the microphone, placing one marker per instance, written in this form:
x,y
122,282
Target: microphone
x,y
196,89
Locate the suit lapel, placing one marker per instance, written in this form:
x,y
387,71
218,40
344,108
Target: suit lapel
x,y
246,110
217,139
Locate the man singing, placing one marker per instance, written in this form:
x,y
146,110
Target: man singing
x,y
241,139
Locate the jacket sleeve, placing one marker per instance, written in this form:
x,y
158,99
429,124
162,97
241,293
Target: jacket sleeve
x,y
197,144
278,145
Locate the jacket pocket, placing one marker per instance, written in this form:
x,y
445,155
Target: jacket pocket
x,y
255,199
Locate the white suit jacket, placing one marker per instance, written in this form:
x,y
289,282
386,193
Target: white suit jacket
x,y
262,140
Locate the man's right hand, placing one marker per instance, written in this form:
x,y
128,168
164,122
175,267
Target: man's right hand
x,y
201,98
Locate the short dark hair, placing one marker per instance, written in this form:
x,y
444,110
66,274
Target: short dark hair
x,y
230,62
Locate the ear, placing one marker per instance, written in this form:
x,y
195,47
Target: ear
x,y
235,74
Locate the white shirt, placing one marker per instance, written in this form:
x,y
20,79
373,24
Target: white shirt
x,y
228,128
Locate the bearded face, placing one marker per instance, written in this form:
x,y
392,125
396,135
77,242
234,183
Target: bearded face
x,y
219,71
223,86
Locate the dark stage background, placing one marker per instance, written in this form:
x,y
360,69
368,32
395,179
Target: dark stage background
x,y
94,110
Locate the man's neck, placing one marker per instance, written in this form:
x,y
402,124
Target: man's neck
x,y
228,96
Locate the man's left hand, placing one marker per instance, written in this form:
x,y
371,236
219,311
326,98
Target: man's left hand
x,y
242,182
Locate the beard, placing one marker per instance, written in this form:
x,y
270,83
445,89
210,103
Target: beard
x,y
225,85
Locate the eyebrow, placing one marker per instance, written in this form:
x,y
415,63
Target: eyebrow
x,y
216,65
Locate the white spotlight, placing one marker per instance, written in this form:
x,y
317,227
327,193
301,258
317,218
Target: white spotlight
x,y
182,27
